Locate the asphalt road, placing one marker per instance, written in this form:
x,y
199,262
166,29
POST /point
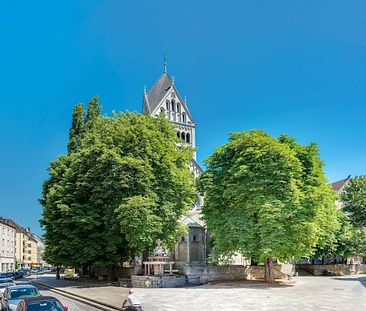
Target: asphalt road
x,y
72,304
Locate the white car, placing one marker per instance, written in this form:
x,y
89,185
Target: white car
x,y
4,283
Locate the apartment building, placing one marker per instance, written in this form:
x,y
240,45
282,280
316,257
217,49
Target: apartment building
x,y
7,246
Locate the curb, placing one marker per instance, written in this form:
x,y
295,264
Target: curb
x,y
91,302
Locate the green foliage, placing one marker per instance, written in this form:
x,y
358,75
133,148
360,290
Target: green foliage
x,y
77,128
267,197
126,185
354,200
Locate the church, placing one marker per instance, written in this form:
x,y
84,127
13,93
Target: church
x,y
165,98
192,249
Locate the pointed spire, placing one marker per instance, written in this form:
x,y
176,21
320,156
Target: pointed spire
x,y
165,65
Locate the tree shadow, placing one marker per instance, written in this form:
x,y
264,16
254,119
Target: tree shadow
x,y
361,279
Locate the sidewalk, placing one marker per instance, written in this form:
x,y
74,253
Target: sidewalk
x,y
309,293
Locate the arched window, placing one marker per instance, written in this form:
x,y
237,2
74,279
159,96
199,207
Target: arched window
x,y
188,138
183,136
172,94
162,110
184,117
178,107
167,104
178,134
173,105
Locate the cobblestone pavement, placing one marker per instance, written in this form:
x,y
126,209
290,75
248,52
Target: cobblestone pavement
x,y
306,293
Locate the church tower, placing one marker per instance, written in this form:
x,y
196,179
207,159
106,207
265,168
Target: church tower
x,y
165,98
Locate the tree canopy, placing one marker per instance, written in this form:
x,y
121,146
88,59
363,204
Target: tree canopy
x,y
124,184
267,198
353,198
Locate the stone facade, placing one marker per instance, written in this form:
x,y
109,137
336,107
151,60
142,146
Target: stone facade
x,y
167,281
338,269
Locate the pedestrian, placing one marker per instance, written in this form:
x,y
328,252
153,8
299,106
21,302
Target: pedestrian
x,y
132,302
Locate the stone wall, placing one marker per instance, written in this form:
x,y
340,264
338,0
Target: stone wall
x,y
149,281
231,273
338,269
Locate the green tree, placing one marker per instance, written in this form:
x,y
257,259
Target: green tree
x,y
267,198
126,186
77,128
354,200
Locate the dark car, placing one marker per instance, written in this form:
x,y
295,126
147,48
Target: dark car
x,y
4,283
10,275
13,294
43,303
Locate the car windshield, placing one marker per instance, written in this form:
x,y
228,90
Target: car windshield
x,y
44,305
18,293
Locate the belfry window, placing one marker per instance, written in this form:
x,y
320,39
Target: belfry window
x,y
167,104
173,105
184,117
188,138
178,107
183,136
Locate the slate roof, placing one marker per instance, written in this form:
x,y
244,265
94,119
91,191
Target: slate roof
x,y
158,91
338,185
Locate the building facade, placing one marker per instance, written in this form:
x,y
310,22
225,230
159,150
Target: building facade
x,y
7,246
25,246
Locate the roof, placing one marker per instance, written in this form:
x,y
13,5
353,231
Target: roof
x,y
8,222
158,91
41,298
188,221
338,185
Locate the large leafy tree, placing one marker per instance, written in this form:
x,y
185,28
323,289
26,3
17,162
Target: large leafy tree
x,y
353,198
267,198
125,185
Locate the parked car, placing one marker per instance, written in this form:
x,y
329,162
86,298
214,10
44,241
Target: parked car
x,y
10,275
43,303
4,283
2,275
13,294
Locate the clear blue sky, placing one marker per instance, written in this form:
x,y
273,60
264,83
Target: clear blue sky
x,y
295,67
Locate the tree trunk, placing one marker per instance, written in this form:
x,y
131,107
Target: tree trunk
x,y
268,271
57,273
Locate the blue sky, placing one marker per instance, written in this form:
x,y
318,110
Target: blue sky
x,y
295,67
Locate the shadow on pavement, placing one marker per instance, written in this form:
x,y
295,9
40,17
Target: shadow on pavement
x,y
361,279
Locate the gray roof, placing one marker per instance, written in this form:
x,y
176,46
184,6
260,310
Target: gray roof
x,y
188,221
158,91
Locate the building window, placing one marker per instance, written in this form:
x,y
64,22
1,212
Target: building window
x,y
172,95
183,136
178,134
173,105
182,239
184,117
178,107
188,138
162,110
194,238
167,104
